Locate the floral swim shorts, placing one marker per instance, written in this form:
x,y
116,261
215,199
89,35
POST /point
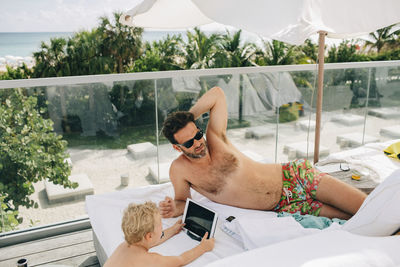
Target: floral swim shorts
x,y
300,182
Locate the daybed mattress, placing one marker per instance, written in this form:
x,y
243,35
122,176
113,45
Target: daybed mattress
x,y
105,213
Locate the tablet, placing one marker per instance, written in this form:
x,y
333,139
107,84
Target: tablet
x,y
199,220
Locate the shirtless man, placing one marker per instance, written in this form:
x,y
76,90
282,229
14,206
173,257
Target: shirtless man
x,y
218,170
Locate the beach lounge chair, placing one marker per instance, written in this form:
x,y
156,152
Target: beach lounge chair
x,y
348,119
299,150
305,124
142,150
391,131
259,132
164,172
385,113
57,193
354,140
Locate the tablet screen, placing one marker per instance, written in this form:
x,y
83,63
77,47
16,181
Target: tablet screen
x,y
199,219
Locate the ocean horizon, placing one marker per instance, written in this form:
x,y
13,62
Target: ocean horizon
x,y
24,44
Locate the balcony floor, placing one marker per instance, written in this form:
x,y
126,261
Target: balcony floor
x,y
72,249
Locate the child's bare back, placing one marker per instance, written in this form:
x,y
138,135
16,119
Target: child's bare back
x,y
142,228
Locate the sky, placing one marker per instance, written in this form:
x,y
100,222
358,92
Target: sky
x,y
69,15
62,15
57,15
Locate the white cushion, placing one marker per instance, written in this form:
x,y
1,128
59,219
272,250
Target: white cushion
x,y
56,193
386,113
304,124
391,131
142,150
354,139
348,119
164,171
328,248
299,150
379,215
259,132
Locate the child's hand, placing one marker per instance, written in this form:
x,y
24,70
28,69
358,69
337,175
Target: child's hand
x,y
207,244
177,227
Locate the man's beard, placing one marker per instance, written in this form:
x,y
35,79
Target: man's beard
x,y
197,156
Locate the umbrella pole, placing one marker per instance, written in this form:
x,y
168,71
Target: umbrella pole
x,y
321,54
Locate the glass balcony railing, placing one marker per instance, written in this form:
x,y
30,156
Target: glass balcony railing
x,y
113,123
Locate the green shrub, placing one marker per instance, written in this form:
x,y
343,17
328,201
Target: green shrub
x,y
29,151
8,217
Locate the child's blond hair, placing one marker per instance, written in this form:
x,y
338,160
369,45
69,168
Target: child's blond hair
x,y
138,220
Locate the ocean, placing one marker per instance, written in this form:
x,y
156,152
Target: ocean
x,y
23,44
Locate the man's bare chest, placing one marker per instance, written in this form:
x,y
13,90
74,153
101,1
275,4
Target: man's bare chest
x,y
213,178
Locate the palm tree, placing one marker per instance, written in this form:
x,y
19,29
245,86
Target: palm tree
x,y
166,54
307,53
382,38
233,54
120,42
50,60
276,53
84,57
201,50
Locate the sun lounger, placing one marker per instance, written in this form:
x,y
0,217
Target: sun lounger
x,y
305,124
142,150
354,140
105,213
259,132
348,119
57,193
385,113
369,157
164,172
391,131
299,150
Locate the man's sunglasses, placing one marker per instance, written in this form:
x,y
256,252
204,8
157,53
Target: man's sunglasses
x,y
189,143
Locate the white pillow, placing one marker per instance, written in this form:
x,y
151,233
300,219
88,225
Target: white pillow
x,y
328,249
379,215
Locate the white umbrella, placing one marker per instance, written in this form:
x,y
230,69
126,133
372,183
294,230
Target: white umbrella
x,y
290,21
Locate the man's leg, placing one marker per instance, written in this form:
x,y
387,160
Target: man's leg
x,y
331,212
341,197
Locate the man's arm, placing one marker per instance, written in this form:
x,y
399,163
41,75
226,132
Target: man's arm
x,y
174,208
215,102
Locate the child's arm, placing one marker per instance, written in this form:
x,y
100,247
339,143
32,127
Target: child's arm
x,y
190,255
171,231
204,246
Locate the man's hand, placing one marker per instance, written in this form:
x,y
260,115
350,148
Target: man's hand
x,y
167,207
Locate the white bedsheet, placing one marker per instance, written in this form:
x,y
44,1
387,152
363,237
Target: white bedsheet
x,y
105,213
325,249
